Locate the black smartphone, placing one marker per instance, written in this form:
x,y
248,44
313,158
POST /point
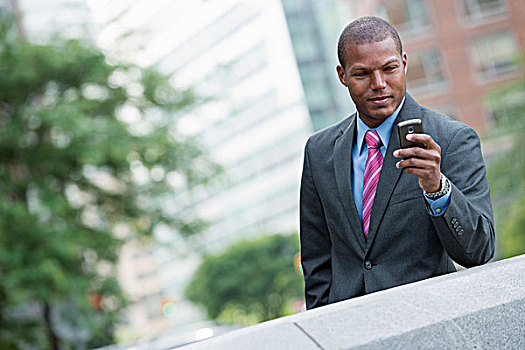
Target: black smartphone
x,y
412,126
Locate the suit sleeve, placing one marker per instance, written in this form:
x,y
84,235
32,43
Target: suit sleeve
x,y
466,229
315,241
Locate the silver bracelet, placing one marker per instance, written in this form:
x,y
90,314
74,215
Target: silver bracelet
x,y
443,190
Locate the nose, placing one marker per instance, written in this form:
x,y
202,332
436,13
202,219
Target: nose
x,y
377,81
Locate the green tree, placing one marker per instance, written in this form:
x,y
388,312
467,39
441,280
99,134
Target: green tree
x,y
506,172
250,282
85,147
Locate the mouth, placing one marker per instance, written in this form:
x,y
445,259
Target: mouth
x,y
380,100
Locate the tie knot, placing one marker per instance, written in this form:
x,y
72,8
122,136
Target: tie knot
x,y
372,139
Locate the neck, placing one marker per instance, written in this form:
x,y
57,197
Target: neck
x,y
371,123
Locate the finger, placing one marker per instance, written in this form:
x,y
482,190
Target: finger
x,y
412,171
416,152
425,139
420,173
416,163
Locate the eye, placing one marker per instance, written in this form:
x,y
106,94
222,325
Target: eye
x,y
359,74
390,68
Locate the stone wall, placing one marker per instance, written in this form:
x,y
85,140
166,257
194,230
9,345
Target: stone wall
x,y
478,308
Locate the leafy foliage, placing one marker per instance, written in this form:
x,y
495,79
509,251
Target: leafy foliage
x,y
85,147
250,282
506,172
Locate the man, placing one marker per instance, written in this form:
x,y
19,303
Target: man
x,y
423,207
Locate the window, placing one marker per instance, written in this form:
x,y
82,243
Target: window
x,y
317,95
4,7
313,74
408,16
305,47
494,54
297,6
299,24
425,71
480,9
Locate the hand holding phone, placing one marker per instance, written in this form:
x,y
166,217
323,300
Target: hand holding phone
x,y
422,159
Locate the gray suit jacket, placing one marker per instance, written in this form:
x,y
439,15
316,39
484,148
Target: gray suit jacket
x,y
406,243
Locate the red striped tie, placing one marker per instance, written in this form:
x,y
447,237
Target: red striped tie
x,y
372,171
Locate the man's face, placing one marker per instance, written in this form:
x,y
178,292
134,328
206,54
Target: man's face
x,y
375,77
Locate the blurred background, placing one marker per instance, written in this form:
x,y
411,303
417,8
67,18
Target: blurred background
x,y
151,152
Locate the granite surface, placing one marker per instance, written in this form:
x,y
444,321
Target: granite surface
x,y
478,308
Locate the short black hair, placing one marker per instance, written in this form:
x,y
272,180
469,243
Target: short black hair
x,y
366,30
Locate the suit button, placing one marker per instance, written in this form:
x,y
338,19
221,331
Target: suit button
x,y
456,224
460,232
453,221
368,265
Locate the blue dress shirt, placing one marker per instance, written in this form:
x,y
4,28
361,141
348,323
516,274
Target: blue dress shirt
x,y
360,155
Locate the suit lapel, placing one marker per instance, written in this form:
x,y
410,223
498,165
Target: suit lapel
x,y
342,169
389,173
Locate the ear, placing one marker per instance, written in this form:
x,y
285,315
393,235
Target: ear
x,y
405,62
341,74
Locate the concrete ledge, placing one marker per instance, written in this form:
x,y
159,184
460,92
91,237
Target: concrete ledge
x,y
479,308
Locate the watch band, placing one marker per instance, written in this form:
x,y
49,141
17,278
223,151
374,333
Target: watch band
x,y
443,190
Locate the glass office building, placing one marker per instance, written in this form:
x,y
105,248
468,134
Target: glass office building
x,y
314,28
255,121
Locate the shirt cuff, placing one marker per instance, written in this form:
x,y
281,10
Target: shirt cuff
x,y
440,205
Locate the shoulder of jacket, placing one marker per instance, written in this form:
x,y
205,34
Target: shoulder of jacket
x,y
442,122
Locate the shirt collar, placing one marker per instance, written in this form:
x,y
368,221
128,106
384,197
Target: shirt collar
x,y
384,130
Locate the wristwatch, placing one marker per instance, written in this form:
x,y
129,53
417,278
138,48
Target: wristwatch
x,y
443,190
